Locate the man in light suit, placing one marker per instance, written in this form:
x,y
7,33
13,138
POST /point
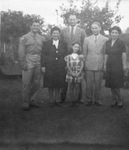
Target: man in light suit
x,y
71,34
93,50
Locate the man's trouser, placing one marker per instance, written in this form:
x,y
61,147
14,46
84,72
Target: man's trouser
x,y
93,85
31,83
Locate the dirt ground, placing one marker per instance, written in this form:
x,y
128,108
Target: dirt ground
x,y
61,128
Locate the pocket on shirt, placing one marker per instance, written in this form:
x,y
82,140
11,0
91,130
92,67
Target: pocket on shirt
x,y
30,43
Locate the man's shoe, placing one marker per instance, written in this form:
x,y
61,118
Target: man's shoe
x,y
113,104
34,104
80,101
89,103
25,106
98,103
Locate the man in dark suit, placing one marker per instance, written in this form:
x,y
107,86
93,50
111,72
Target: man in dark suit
x,y
71,34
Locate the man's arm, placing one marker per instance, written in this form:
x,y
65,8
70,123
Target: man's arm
x,y
62,35
68,67
105,61
85,51
43,39
85,48
83,36
22,54
44,56
105,56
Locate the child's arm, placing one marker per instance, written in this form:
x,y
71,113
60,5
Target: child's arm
x,y
82,65
68,67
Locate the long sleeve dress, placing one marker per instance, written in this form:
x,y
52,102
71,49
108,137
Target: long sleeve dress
x,y
114,66
53,60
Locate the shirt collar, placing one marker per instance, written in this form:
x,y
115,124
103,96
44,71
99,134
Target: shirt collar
x,y
73,27
97,35
32,34
55,41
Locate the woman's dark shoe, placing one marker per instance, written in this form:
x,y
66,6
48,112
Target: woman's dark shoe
x,y
113,104
58,104
89,103
120,104
52,104
74,104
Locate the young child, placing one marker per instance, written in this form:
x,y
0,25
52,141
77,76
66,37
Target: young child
x,y
74,74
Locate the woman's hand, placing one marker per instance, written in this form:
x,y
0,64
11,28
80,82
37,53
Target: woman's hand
x,y
43,69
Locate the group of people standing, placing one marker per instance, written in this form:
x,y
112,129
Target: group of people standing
x,y
67,59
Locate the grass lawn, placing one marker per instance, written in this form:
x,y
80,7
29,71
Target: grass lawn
x,y
90,128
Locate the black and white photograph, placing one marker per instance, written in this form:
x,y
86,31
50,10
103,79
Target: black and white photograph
x,y
64,74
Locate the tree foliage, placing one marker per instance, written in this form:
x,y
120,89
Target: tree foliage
x,y
89,12
15,24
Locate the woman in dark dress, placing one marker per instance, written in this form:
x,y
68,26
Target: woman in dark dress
x,y
115,65
53,65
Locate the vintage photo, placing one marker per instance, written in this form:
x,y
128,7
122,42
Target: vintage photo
x,y
64,75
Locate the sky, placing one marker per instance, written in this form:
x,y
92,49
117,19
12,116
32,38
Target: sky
x,y
47,9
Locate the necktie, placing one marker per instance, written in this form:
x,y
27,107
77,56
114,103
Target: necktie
x,y
72,29
95,39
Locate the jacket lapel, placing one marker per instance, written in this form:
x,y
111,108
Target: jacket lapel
x,y
68,33
92,38
59,45
99,40
76,32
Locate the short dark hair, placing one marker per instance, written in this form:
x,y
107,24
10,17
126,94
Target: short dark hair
x,y
72,14
115,28
74,43
36,20
96,22
55,29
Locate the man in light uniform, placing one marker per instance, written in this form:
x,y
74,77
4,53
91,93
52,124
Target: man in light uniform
x,y
30,47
